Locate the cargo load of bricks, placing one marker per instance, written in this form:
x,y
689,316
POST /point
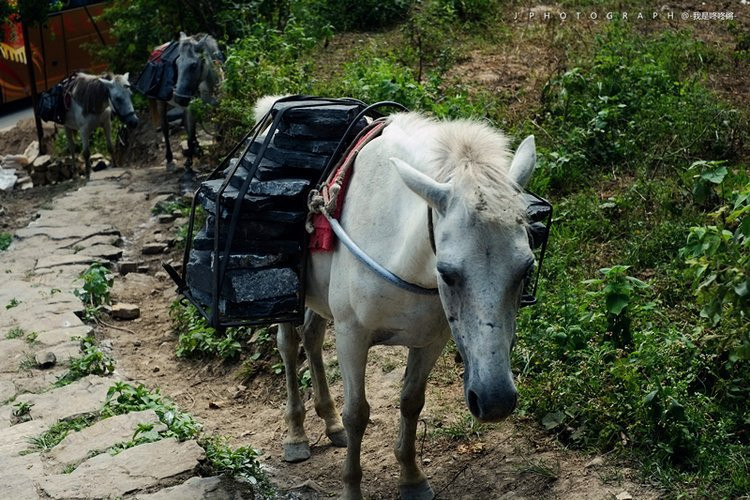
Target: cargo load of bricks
x,y
262,251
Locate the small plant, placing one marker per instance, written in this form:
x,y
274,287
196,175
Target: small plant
x,y
5,241
14,302
125,398
93,361
27,363
465,428
97,281
31,338
198,339
15,333
241,462
617,289
22,411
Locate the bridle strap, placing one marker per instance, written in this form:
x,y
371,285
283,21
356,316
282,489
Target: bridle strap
x,y
431,229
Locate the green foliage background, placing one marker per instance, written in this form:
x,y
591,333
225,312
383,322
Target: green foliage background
x,y
640,344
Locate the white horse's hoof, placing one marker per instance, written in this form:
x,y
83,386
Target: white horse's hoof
x,y
420,491
296,452
338,439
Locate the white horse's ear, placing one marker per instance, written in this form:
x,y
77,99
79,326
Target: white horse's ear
x,y
433,192
126,76
183,35
108,83
524,162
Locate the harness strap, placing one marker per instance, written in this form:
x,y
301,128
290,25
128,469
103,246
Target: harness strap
x,y
431,229
324,201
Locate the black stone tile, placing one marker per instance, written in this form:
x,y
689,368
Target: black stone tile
x,y
245,285
285,141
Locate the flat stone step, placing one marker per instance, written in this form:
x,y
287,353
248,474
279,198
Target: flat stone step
x,y
204,488
66,260
66,233
135,469
82,397
101,436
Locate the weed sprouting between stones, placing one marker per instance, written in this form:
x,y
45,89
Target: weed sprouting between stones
x,y
93,361
94,293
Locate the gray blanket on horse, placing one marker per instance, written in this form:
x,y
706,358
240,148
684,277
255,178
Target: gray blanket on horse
x,y
158,78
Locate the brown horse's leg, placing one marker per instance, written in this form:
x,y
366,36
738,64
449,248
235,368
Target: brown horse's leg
x,y
413,484
189,120
352,356
161,106
313,334
296,443
71,145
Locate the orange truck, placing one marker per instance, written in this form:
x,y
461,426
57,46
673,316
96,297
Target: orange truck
x,y
58,48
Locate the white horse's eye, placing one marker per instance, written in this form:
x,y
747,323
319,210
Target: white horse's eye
x,y
449,274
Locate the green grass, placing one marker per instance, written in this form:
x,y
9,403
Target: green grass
x,y
59,431
5,240
15,333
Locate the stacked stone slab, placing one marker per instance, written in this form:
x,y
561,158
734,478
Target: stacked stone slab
x,y
263,276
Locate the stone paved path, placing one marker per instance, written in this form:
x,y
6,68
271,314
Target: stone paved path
x,y
38,316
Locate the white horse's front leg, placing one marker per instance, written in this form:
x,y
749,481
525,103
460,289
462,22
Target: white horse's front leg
x,y
85,133
352,355
413,484
313,334
296,443
71,144
107,126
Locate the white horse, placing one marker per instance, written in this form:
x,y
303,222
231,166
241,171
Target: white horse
x,y
463,172
93,98
199,74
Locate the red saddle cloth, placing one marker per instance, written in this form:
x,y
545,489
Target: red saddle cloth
x,y
323,238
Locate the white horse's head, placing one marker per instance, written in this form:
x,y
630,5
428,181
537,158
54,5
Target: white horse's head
x,y
198,63
120,97
483,253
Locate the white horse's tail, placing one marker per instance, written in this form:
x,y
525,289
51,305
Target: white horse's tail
x,y
264,105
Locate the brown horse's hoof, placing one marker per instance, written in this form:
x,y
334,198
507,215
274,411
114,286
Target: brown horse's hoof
x,y
338,439
296,452
420,491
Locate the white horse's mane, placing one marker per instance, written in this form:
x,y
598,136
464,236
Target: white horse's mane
x,y
470,155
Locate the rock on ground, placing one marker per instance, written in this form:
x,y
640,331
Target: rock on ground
x,y
101,436
203,488
134,469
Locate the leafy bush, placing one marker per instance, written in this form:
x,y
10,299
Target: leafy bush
x,y
373,78
240,462
125,398
365,15
718,257
266,61
620,109
198,339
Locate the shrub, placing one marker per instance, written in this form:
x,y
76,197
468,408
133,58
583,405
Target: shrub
x,y
619,110
266,61
198,339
